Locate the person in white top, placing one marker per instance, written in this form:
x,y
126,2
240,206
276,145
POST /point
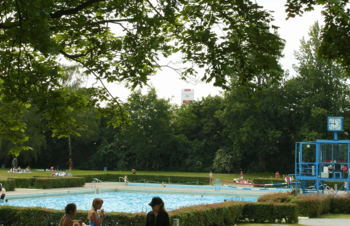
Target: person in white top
x,y
211,178
3,192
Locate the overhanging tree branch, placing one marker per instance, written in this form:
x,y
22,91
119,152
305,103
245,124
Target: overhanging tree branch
x,y
75,10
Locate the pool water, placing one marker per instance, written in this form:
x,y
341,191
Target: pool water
x,y
123,201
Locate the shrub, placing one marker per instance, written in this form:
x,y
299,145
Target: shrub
x,y
308,206
226,213
268,181
40,216
219,214
147,178
62,182
270,212
277,197
24,182
9,184
340,205
312,206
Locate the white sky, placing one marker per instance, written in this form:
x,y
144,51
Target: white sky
x,y
168,83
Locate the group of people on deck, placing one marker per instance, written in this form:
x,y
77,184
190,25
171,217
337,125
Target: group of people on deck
x,y
158,215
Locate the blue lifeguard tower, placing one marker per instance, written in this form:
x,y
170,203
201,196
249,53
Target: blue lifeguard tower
x,y
322,161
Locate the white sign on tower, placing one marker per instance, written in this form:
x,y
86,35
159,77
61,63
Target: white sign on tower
x,y
187,95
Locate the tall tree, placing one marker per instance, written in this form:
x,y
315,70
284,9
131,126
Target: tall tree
x,y
335,34
125,41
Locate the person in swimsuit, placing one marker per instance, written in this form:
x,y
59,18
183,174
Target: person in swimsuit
x,y
3,192
71,210
93,217
70,164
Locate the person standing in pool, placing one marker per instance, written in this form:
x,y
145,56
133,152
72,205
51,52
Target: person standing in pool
x,y
70,164
71,211
211,178
3,192
159,216
93,217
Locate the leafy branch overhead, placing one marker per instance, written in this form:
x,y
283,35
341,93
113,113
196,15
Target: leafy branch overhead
x,y
335,33
124,40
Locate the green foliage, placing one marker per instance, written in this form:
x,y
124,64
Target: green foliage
x,y
9,184
340,205
36,35
269,212
40,216
59,182
334,36
24,182
307,205
147,178
268,181
219,214
225,213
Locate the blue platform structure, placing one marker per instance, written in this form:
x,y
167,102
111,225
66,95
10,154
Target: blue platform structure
x,y
323,160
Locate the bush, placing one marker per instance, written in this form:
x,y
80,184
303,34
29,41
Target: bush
x,y
62,182
268,181
312,206
226,213
40,216
277,197
9,184
147,178
24,182
340,205
270,212
308,206
219,214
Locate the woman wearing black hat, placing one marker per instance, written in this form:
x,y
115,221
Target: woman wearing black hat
x,y
159,216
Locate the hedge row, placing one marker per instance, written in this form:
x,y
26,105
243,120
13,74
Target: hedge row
x,y
311,206
59,182
268,181
46,182
220,214
9,185
147,178
24,182
270,213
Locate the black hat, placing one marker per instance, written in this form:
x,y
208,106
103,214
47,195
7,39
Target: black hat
x,y
156,201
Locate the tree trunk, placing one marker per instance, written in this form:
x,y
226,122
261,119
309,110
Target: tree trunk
x,y
70,150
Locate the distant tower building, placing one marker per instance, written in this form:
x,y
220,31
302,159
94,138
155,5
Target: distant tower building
x,y
187,95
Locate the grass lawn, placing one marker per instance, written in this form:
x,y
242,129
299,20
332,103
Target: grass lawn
x,y
228,177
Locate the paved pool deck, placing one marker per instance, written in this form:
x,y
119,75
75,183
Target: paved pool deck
x,y
324,222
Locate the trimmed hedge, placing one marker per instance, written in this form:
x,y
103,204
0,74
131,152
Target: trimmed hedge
x,y
225,213
39,216
219,214
62,182
270,213
340,205
268,181
9,184
147,178
24,182
311,206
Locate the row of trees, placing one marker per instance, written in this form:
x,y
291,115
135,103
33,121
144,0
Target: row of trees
x,y
252,128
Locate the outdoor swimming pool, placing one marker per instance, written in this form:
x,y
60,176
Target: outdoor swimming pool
x,y
123,201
